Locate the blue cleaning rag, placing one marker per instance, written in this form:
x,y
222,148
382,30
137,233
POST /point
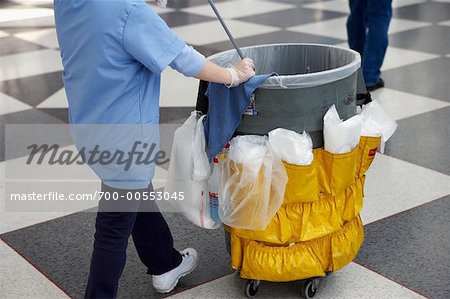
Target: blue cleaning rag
x,y
226,107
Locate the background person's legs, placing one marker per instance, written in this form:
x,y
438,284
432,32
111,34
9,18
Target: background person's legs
x,y
151,236
356,25
379,13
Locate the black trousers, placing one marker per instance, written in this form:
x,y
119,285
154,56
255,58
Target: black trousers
x,y
151,236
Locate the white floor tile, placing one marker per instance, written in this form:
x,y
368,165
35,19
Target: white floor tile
x,y
396,57
212,32
401,105
14,14
354,281
160,179
10,221
11,105
34,22
177,90
342,5
393,186
335,5
332,28
400,25
445,23
76,179
57,100
161,10
19,279
33,2
241,8
448,55
3,34
442,1
44,37
336,28
343,45
29,64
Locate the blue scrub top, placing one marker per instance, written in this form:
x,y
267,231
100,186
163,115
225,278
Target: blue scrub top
x,y
113,52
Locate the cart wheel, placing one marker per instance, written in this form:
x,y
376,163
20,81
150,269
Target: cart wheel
x,y
309,288
251,288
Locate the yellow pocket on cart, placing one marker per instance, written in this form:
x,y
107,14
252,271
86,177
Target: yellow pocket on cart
x,y
302,183
353,200
335,172
367,149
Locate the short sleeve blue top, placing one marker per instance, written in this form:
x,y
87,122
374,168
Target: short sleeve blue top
x,y
113,53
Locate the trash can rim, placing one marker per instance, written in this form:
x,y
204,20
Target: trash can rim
x,y
304,80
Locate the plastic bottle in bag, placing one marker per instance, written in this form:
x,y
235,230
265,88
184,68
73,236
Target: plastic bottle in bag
x,y
213,185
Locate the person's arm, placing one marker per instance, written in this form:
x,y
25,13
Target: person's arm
x,y
211,72
193,64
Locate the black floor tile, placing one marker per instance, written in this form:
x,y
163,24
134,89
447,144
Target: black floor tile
x,y
412,248
426,12
33,90
173,115
292,17
64,254
59,113
432,39
205,50
423,140
13,45
429,78
7,4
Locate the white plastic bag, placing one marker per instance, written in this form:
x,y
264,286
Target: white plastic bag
x,y
252,184
341,136
195,205
291,146
376,122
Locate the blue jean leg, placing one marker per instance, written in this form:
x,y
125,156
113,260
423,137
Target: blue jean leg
x,y
379,13
356,25
151,236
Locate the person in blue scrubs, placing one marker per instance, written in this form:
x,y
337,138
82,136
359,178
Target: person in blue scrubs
x,y
367,28
113,53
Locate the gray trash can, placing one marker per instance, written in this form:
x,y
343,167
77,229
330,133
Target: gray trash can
x,y
311,78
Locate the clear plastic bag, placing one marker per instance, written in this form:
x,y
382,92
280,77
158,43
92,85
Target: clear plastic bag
x,y
291,146
180,178
340,136
252,183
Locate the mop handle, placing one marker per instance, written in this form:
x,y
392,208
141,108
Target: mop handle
x,y
213,6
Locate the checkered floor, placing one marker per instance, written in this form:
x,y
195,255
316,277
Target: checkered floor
x,y
407,195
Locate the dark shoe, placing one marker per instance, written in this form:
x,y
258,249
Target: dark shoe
x,y
380,84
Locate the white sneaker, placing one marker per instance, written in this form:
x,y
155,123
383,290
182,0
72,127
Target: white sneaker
x,y
166,282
